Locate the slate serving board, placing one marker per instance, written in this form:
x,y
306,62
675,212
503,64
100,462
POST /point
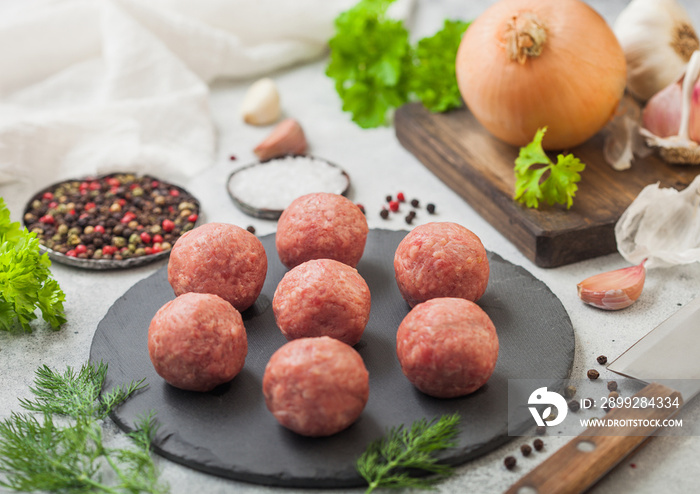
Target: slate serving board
x,y
229,432
479,168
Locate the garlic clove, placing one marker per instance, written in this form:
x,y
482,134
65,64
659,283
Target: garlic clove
x,y
286,138
261,104
662,114
671,118
613,290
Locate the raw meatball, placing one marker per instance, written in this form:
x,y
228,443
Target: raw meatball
x,y
316,386
441,260
197,341
321,226
222,259
447,347
322,297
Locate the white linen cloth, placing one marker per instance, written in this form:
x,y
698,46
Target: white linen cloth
x,y
92,86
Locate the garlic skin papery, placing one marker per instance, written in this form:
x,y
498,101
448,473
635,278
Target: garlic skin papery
x,y
661,225
613,290
658,39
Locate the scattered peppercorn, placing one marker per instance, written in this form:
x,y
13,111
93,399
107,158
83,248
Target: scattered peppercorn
x,y
613,395
362,208
510,462
593,374
602,360
570,391
410,217
574,405
415,203
525,449
389,198
633,465
384,213
541,430
401,197
612,386
431,208
232,157
538,444
393,206
251,229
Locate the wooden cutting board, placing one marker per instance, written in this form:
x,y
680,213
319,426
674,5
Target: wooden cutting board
x,y
479,168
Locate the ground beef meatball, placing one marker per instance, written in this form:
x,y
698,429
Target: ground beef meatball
x,y
322,297
222,259
441,260
447,347
316,386
321,226
197,341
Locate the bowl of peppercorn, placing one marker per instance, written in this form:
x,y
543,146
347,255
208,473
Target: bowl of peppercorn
x,y
112,221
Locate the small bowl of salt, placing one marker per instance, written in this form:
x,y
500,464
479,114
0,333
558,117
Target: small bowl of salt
x,y
265,188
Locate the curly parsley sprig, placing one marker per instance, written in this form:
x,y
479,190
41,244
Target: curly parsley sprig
x,y
538,178
433,78
376,69
25,279
386,462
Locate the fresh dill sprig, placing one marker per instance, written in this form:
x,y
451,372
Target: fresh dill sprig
x,y
388,461
59,446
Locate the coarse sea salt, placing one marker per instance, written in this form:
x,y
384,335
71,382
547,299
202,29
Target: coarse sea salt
x,y
276,183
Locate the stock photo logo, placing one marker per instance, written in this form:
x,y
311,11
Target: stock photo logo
x,y
543,397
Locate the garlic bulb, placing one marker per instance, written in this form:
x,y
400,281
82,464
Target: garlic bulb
x,y
658,39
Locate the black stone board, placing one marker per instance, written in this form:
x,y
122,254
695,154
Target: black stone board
x,y
229,431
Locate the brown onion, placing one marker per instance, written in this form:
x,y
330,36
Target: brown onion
x,y
526,64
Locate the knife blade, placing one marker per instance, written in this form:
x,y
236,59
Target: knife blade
x,y
669,353
668,358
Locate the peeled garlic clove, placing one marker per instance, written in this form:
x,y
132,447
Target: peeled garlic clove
x,y
615,289
286,138
261,104
658,39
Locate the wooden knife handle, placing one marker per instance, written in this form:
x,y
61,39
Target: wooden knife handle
x,y
581,462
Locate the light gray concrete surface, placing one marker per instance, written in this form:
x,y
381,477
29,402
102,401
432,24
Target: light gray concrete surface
x,y
378,166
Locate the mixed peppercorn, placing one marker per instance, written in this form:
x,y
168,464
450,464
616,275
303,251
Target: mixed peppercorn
x,y
393,205
117,216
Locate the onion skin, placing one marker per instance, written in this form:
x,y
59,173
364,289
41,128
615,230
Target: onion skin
x,y
573,86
